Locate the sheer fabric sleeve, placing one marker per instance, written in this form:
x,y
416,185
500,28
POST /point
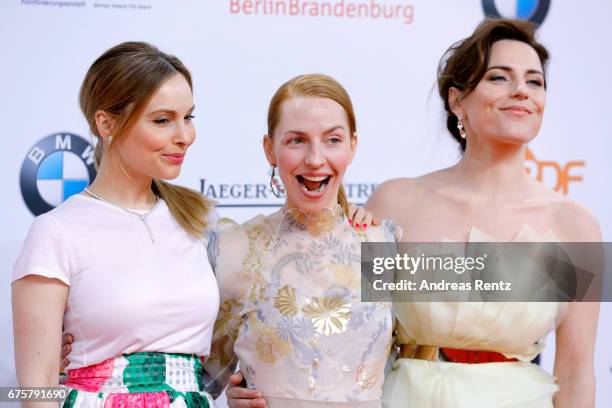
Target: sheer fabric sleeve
x,y
228,247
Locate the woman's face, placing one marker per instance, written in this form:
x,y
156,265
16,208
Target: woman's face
x,y
312,146
508,103
156,145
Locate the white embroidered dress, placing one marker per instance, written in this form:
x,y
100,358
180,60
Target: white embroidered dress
x,y
291,311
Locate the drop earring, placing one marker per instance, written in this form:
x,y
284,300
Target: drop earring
x,y
275,184
461,129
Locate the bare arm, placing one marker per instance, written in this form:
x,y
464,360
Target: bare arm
x,y
38,311
575,337
574,357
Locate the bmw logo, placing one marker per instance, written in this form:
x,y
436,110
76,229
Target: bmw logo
x,y
58,166
532,10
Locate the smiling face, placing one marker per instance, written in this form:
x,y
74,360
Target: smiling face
x,y
156,144
312,146
507,105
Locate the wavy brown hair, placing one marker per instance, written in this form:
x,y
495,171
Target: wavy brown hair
x,y
121,82
465,62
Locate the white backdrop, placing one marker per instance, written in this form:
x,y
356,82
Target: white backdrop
x,y
240,51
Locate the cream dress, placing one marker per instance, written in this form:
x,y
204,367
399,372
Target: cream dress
x,y
291,311
514,329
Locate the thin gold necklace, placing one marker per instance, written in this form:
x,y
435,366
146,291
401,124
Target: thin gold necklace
x,y
142,216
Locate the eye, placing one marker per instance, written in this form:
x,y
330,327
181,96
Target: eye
x,y
161,121
335,139
189,118
295,140
497,78
535,82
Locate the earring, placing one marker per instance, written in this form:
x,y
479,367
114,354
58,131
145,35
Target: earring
x,y
110,139
461,129
275,184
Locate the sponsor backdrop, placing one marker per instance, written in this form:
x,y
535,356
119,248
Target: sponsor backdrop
x,y
384,51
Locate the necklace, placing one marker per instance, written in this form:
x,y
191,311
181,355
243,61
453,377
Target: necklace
x,y
142,216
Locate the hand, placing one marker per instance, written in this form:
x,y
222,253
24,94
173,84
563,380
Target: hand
x,y
67,341
239,397
359,217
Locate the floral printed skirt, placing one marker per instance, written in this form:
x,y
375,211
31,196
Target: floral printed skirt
x,y
142,380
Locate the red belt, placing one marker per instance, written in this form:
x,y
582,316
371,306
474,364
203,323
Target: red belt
x,y
452,354
474,356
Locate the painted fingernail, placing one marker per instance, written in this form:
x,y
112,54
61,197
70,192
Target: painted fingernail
x,y
364,226
350,221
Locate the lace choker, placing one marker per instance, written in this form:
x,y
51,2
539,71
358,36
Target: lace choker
x,y
315,223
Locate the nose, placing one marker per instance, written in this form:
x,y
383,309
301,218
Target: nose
x,y
314,158
184,134
520,90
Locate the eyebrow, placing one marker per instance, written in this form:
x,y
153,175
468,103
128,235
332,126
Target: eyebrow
x,y
508,69
166,110
300,132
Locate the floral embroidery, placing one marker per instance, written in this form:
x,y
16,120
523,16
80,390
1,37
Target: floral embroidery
x,y
269,346
345,275
228,323
285,301
329,315
367,378
259,239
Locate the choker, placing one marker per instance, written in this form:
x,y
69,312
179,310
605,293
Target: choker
x,y
315,223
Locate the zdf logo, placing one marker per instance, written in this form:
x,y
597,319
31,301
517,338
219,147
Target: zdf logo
x,y
58,166
552,173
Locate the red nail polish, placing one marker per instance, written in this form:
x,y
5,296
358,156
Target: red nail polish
x,y
350,221
365,226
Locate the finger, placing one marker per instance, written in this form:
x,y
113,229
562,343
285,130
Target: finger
x,y
258,403
246,403
367,221
352,208
64,363
66,350
236,378
359,217
67,339
242,393
376,221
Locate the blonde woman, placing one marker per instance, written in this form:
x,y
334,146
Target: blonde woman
x,y
291,310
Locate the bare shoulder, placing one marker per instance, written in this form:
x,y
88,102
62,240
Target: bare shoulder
x,y
392,195
574,221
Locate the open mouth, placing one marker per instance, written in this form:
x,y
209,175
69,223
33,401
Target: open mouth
x,y
313,184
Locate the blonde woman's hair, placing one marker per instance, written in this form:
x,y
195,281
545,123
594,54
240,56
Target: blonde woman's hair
x,y
121,82
317,85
